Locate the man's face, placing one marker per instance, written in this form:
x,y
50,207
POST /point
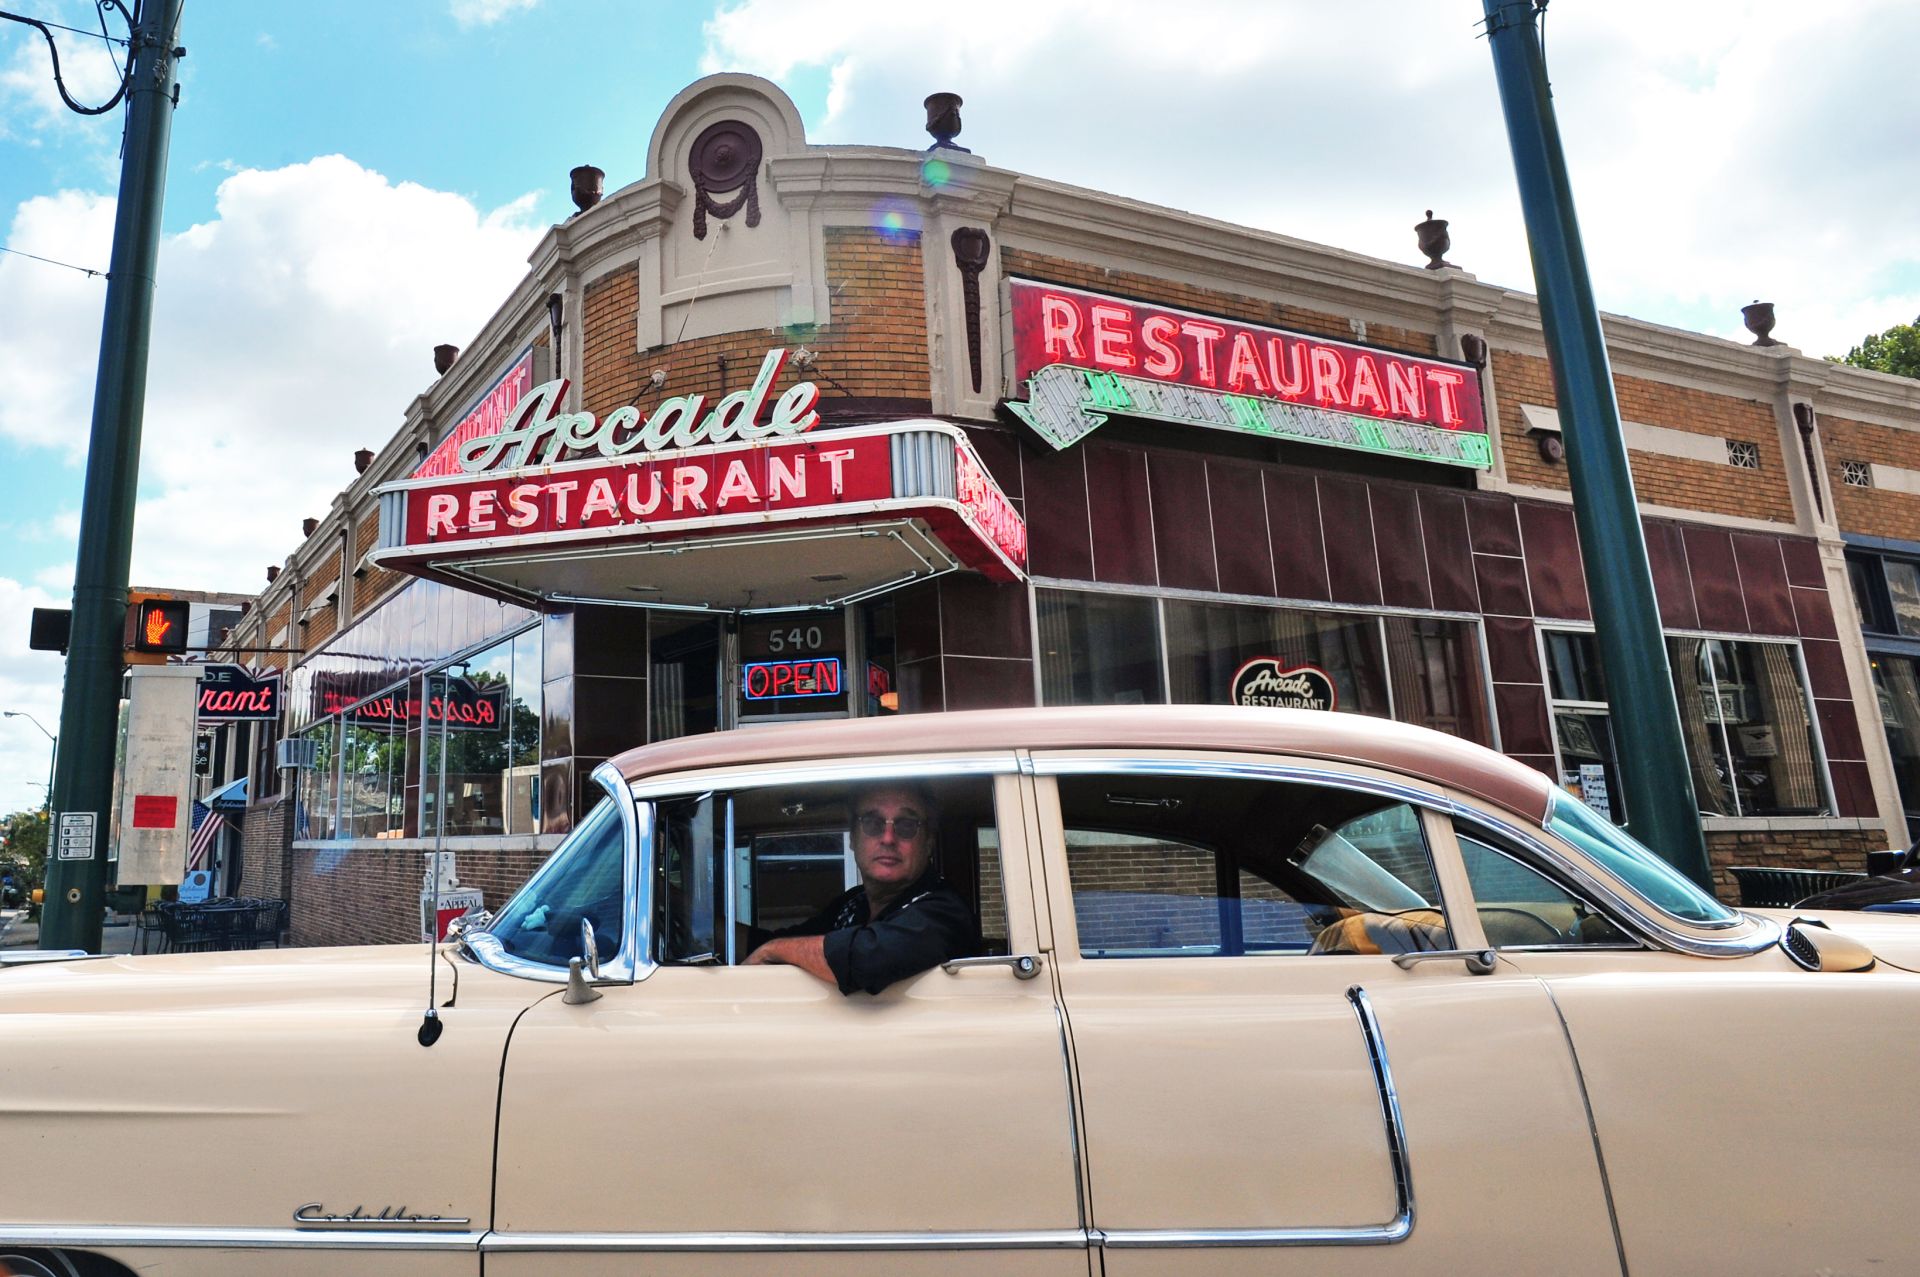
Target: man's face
x,y
883,851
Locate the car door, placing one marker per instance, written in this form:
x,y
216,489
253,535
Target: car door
x,y
1256,1072
715,1118
1744,1106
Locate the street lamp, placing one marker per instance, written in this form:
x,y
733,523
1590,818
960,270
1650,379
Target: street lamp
x,y
53,758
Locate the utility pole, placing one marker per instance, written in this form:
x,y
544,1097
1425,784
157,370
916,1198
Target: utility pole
x,y
1649,747
90,705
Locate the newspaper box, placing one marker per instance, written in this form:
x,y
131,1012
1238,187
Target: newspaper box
x,y
452,904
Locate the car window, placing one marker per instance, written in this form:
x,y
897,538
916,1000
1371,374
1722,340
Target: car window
x,y
1521,908
1616,851
582,879
733,867
1216,866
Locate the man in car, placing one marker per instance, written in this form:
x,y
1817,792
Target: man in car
x,y
901,919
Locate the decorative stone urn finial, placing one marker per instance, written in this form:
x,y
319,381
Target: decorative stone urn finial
x,y
943,121
1434,242
588,185
443,357
1759,318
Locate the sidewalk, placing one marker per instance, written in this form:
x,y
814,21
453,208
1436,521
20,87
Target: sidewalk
x,y
17,933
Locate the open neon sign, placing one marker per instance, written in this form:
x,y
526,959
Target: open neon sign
x,y
791,680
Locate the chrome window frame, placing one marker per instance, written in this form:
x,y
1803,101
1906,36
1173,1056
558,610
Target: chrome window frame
x,y
634,802
1540,850
632,961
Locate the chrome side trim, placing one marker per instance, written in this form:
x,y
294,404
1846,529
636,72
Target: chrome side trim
x,y
137,1235
1073,1118
883,768
616,1243
1397,1229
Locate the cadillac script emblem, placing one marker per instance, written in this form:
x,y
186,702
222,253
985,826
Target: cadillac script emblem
x,y
1263,682
316,1215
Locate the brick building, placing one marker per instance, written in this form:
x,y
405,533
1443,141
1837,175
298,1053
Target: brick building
x,y
1069,448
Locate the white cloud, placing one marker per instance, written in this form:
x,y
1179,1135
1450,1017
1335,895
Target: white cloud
x,y
484,13
1749,149
292,328
89,68
29,684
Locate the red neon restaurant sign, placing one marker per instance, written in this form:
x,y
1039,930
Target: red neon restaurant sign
x,y
1084,355
835,478
487,417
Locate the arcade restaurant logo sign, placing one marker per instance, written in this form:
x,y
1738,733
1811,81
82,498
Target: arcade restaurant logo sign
x,y
1266,684
1083,357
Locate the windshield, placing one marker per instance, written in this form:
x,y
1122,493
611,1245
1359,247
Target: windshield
x,y
583,879
1615,850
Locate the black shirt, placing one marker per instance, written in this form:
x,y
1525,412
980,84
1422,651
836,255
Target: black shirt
x,y
926,924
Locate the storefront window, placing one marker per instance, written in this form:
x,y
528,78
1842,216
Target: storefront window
x,y
1106,649
686,674
1098,649
1896,681
1582,725
1903,588
483,713
1437,678
313,814
375,764
1208,642
1748,726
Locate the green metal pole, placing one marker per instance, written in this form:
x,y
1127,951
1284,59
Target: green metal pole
x,y
1652,753
90,705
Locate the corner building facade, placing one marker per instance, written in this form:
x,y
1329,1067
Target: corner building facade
x,y
781,430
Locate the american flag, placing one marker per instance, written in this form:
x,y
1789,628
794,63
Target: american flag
x,y
207,824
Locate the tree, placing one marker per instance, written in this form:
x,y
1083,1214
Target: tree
x,y
23,847
1896,350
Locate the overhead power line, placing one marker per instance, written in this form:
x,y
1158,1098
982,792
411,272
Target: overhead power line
x,y
84,270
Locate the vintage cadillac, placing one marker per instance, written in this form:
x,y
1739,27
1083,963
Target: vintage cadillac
x,y
1254,991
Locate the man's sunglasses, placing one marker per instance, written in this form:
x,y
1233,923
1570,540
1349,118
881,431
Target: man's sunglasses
x,y
905,828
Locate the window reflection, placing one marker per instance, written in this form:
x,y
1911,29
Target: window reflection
x,y
483,714
1748,727
1098,649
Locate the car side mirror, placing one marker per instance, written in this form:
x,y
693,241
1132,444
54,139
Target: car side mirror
x,y
583,973
1817,947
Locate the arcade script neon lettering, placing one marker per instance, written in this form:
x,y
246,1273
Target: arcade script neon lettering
x,y
537,435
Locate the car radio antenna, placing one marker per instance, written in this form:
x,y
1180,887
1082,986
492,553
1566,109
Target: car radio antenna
x,y
431,1025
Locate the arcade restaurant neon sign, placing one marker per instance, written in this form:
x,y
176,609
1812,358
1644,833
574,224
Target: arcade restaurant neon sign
x,y
1085,356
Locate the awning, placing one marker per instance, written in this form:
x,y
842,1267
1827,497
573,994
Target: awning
x,y
231,796
816,521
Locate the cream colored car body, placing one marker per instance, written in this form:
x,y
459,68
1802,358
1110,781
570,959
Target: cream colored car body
x,y
1692,1101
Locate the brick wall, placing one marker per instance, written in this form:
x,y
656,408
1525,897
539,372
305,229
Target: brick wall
x,y
1678,482
1168,292
372,896
1878,512
369,589
265,836
319,623
876,346
1797,849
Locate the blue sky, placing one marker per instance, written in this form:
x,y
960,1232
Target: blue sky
x,y
353,182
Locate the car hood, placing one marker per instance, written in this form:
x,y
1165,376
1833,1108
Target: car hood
x,y
1893,938
230,1090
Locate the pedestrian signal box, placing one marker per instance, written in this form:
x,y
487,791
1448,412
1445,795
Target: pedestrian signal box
x,y
156,628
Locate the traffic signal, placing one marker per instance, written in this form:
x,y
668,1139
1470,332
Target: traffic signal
x,y
157,627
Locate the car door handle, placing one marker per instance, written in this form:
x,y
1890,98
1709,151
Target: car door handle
x,y
1025,966
1479,961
